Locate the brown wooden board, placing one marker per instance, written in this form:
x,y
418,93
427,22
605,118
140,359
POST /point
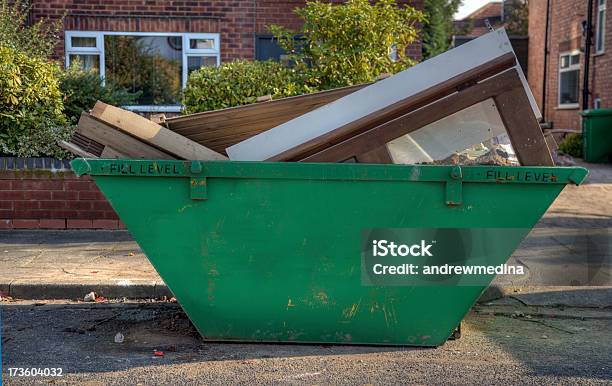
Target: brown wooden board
x,y
502,84
398,109
522,127
76,149
152,133
109,136
219,129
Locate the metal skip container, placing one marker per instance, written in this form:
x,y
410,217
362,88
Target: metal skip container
x,y
272,252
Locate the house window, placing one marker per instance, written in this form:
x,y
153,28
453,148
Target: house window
x,y
601,26
569,77
154,65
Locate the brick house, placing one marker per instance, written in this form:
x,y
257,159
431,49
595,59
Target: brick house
x,y
110,35
557,58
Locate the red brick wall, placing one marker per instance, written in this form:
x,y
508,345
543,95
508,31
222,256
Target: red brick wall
x,y
52,200
565,33
236,21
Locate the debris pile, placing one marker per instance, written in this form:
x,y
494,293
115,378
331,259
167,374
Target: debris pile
x,y
421,115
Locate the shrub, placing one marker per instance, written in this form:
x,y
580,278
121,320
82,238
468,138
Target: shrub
x,y
339,45
238,83
572,145
37,39
342,45
31,108
82,88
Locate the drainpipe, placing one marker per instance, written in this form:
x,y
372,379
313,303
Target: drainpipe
x,y
587,55
544,79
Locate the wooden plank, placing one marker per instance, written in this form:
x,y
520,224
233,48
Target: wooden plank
x,y
74,149
395,110
152,133
379,155
110,153
523,128
86,143
388,131
366,108
119,141
220,129
278,107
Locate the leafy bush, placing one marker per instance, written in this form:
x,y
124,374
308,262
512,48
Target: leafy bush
x,y
339,45
31,108
240,82
82,88
352,43
572,145
37,39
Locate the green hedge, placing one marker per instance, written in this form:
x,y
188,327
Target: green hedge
x,y
240,82
31,107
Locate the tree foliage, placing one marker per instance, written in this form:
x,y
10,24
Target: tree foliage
x,y
38,39
439,27
339,45
516,17
351,43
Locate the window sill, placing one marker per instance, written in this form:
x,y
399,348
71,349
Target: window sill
x,y
568,107
154,109
600,53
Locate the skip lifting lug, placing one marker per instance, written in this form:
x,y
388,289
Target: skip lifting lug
x,y
454,187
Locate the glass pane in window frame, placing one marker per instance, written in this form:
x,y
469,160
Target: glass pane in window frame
x,y
154,66
208,60
88,61
568,95
88,40
207,44
574,59
599,40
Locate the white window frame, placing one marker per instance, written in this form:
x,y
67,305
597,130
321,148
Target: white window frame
x,y
601,9
571,67
186,52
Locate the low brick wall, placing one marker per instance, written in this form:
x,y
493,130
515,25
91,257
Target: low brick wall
x,y
42,193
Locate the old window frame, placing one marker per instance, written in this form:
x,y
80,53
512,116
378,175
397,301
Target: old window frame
x,y
187,52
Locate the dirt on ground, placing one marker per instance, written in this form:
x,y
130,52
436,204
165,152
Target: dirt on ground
x,y
499,344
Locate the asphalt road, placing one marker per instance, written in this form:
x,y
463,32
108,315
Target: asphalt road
x,y
499,344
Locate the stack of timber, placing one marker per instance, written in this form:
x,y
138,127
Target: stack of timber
x,y
111,132
219,129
